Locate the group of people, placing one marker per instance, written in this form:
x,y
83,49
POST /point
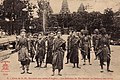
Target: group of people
x,y
76,42
40,47
100,41
51,49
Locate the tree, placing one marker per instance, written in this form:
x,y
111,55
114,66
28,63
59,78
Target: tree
x,y
46,10
107,19
1,12
14,11
94,21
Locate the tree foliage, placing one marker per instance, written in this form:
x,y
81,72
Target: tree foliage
x,y
83,19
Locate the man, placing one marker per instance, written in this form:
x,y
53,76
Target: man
x,y
31,47
40,50
58,54
74,57
50,40
44,47
86,44
103,49
68,47
81,36
94,39
23,56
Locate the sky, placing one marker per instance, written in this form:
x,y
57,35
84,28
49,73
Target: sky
x,y
95,5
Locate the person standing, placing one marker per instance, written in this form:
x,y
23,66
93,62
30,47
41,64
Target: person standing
x,y
22,48
86,42
40,50
58,54
68,47
95,37
44,47
31,47
50,40
104,49
81,36
74,57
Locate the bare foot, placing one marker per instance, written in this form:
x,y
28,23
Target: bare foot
x,y
109,70
78,67
84,64
29,72
23,72
52,75
60,74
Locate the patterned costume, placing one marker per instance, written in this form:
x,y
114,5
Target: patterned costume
x,y
74,58
49,50
81,45
40,51
58,53
23,56
31,48
22,46
103,46
95,38
104,49
68,48
86,45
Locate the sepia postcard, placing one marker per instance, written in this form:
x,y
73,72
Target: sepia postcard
x,y
59,39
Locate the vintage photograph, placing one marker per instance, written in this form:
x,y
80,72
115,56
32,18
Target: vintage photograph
x,y
59,39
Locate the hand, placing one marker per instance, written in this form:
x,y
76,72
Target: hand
x,y
29,55
90,49
35,52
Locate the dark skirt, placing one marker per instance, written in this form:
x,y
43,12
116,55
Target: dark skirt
x,y
68,55
74,56
105,54
40,54
74,59
32,53
49,57
26,62
57,61
23,54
